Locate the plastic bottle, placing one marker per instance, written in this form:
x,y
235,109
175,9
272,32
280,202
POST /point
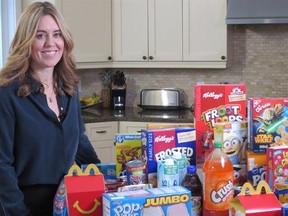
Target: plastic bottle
x,y
217,182
182,162
192,182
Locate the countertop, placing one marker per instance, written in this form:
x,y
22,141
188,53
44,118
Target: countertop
x,y
92,115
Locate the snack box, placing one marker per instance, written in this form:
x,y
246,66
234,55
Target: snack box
x,y
256,167
107,169
268,123
165,201
128,147
216,103
277,165
233,135
158,143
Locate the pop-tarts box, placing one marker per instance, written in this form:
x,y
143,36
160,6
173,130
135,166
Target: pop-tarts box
x,y
158,143
277,165
107,169
256,167
268,123
165,201
216,103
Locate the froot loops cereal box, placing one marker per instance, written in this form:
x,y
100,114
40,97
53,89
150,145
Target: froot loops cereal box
x,y
268,123
216,103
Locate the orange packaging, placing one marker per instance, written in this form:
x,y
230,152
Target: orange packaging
x,y
217,183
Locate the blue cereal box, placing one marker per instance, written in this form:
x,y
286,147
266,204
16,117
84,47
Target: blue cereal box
x,y
158,143
268,123
165,201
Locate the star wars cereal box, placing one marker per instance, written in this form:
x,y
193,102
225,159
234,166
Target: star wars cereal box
x,y
268,123
233,135
128,147
277,165
166,201
256,167
158,143
216,103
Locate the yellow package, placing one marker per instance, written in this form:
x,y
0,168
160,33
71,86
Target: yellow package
x,y
128,147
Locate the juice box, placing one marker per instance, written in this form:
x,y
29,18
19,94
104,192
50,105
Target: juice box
x,y
128,147
233,135
216,103
256,167
165,201
268,123
158,143
277,165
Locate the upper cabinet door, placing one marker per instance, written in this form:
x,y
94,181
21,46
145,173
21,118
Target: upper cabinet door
x,y
147,30
165,30
205,31
130,36
90,24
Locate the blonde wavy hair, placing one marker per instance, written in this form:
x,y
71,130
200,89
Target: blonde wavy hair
x,y
18,62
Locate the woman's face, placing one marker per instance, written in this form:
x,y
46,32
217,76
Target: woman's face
x,y
48,45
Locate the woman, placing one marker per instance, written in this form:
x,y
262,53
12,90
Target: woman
x,y
41,128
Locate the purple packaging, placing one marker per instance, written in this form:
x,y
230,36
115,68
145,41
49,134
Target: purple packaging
x,y
158,143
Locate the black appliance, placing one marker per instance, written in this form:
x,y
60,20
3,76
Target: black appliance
x,y
118,98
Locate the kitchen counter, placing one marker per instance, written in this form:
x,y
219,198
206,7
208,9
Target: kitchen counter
x,y
92,115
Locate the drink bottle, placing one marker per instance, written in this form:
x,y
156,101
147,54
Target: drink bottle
x,y
217,182
192,182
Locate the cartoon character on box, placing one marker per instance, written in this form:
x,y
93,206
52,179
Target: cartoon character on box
x,y
269,120
232,146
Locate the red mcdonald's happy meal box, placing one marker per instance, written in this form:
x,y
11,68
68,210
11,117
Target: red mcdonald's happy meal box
x,y
215,103
84,191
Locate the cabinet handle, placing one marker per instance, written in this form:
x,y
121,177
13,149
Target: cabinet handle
x,y
101,132
151,57
144,57
109,58
223,57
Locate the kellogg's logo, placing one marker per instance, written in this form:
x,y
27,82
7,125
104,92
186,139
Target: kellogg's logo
x,y
163,139
237,91
212,95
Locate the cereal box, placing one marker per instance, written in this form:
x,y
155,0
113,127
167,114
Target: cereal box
x,y
233,135
128,147
158,143
165,201
256,167
216,103
277,165
268,123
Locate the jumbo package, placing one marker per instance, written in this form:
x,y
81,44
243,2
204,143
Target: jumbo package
x,y
277,166
256,167
128,147
216,103
158,143
268,123
165,201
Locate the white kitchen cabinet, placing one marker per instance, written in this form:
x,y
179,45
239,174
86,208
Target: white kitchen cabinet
x,y
90,25
147,30
205,32
102,137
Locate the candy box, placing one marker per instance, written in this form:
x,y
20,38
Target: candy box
x,y
216,103
256,167
233,135
128,147
165,201
158,143
277,165
255,202
268,123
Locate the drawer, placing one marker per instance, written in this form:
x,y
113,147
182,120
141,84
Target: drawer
x,y
101,131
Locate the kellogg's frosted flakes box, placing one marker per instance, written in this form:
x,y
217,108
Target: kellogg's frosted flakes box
x,y
216,103
157,143
165,201
268,123
277,165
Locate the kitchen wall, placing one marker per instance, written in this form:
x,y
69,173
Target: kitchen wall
x,y
259,61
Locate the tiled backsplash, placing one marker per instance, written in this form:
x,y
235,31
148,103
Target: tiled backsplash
x,y
260,61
